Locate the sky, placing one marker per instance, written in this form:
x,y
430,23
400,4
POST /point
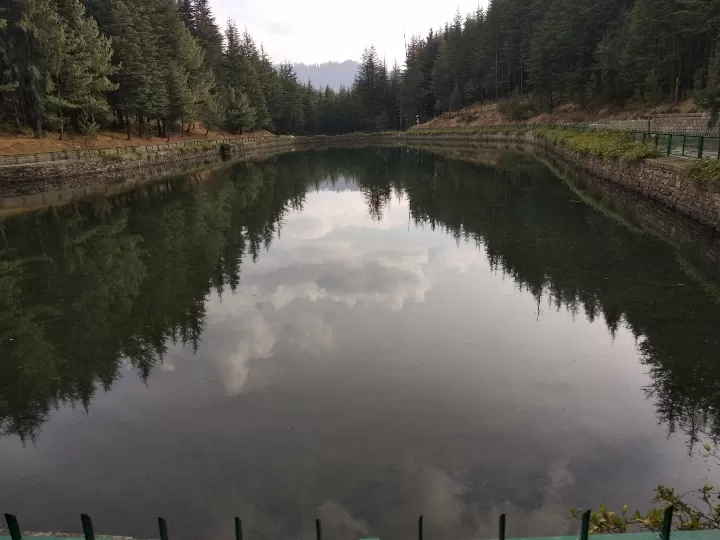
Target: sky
x,y
316,31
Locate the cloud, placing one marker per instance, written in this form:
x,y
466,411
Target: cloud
x,y
280,28
338,523
329,254
322,30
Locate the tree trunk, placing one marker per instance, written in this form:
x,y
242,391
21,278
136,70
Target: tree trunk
x,y
17,116
159,127
127,124
2,232
182,133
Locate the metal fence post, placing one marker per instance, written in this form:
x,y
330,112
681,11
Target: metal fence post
x,y
669,144
667,523
683,148
585,525
162,524
13,527
238,529
501,527
87,527
701,143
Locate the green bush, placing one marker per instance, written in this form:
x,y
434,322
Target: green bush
x,y
706,170
607,144
517,110
694,510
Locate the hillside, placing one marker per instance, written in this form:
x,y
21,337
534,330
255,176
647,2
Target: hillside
x,y
332,74
501,113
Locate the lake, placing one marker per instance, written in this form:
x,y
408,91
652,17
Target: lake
x,y
360,335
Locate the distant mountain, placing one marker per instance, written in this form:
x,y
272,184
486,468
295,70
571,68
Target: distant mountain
x,y
334,74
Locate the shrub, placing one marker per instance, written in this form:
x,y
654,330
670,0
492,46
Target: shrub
x,y
616,145
517,110
693,510
706,170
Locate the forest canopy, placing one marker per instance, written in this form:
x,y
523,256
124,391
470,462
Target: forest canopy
x,y
162,66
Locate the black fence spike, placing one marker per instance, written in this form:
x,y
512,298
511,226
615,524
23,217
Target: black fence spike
x,y
238,528
162,525
501,527
667,523
420,527
13,527
87,527
318,529
585,525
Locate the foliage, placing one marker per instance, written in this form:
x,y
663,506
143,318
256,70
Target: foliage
x,y
705,170
141,65
710,97
240,113
702,513
517,110
615,145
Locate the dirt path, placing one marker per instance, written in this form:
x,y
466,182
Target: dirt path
x,y
27,144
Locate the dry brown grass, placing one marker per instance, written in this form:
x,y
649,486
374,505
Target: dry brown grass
x,y
487,114
28,144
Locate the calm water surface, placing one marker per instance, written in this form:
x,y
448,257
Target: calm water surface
x,y
356,335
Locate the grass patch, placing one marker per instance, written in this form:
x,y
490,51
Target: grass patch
x,y
114,157
705,170
606,144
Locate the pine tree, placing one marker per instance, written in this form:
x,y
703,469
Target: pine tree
x,y
80,69
710,98
42,31
443,75
207,32
651,52
240,113
7,83
370,88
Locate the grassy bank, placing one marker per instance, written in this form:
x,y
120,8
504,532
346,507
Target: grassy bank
x,y
607,144
705,170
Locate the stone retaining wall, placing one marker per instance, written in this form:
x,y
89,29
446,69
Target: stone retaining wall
x,y
663,123
695,241
29,179
660,180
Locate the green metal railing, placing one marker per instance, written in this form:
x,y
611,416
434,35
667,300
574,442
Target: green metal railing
x,y
689,145
664,534
65,155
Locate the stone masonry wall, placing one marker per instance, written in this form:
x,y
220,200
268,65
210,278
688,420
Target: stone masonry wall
x,y
664,182
663,123
29,179
658,180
